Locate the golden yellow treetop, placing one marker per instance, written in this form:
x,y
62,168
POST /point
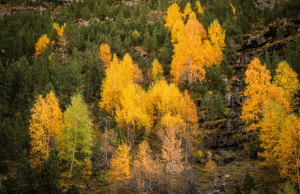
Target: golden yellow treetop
x,y
199,8
172,15
105,54
216,34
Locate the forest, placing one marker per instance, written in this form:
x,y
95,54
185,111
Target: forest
x,y
149,96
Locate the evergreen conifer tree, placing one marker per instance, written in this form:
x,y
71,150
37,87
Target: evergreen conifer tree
x,y
269,64
249,183
26,179
237,189
48,178
275,59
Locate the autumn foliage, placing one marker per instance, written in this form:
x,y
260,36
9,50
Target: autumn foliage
x,y
41,44
258,92
194,50
105,54
45,125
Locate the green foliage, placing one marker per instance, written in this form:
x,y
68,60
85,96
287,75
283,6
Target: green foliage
x,y
73,190
120,139
214,80
48,179
26,177
77,135
237,189
249,183
255,148
214,105
288,188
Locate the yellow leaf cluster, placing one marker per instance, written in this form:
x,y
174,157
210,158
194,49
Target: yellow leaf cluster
x,y
173,14
287,79
199,8
157,70
135,34
259,91
187,10
177,31
45,124
193,51
216,34
60,30
280,136
162,99
119,171
233,8
105,54
118,76
132,113
41,44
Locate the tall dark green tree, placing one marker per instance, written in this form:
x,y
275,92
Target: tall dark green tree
x,y
48,178
249,183
26,177
214,105
214,80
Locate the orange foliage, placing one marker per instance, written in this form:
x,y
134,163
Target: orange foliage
x,y
192,52
119,171
259,90
172,15
41,44
105,54
45,124
138,76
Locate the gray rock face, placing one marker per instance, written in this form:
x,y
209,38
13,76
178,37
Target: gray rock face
x,y
221,162
222,152
231,142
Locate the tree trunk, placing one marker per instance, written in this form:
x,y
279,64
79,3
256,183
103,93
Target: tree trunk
x,y
106,141
296,156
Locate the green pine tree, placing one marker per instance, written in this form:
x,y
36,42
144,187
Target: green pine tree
x,y
269,64
288,188
214,104
275,60
120,139
26,178
48,178
237,189
214,80
249,183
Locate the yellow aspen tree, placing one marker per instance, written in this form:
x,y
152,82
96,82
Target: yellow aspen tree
x,y
161,99
177,31
60,30
287,79
191,120
118,76
41,44
105,54
45,125
187,10
172,157
216,34
74,145
172,15
157,71
189,59
194,51
148,171
131,114
289,148
119,170
271,128
199,8
259,90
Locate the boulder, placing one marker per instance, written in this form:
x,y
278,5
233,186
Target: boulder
x,y
213,144
222,152
220,162
231,142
